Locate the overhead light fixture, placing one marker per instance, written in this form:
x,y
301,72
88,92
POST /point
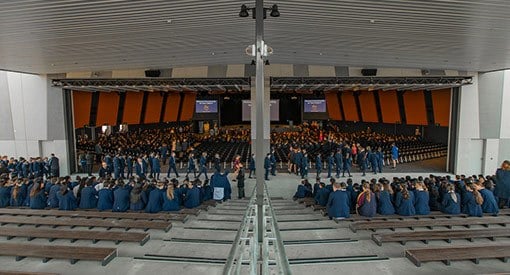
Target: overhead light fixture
x,y
253,62
274,11
267,62
244,11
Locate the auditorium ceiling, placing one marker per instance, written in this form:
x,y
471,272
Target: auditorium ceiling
x,y
55,36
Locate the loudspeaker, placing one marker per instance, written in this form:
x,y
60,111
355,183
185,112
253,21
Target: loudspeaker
x,y
152,73
369,72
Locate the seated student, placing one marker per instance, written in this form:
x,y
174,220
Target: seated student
x,y
171,201
338,205
434,196
121,197
384,193
192,198
353,190
472,201
207,191
88,198
451,201
138,196
66,199
322,196
5,194
421,202
37,195
17,193
302,190
316,186
366,204
404,202
105,197
155,202
53,194
489,205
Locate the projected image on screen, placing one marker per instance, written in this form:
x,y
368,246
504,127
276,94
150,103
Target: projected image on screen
x,y
206,106
274,110
314,106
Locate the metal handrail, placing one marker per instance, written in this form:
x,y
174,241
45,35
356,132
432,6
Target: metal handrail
x,y
283,260
234,251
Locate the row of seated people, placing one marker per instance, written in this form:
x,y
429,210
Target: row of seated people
x,y
105,194
405,196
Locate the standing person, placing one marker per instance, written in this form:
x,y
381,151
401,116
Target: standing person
x,y
240,182
362,160
83,163
366,204
346,153
273,163
129,165
191,166
318,164
502,190
267,166
338,205
338,162
90,161
379,159
116,167
163,151
394,154
331,163
54,166
217,162
304,166
203,165
156,167
172,165
372,158
251,165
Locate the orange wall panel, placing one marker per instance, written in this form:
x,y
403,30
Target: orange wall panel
x,y
172,107
441,103
153,109
333,106
107,108
132,108
389,106
349,104
188,106
414,102
367,105
81,107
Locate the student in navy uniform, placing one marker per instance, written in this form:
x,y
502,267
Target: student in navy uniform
x,y
502,189
304,166
451,201
338,205
116,167
267,166
5,194
251,165
302,190
88,198
318,164
104,171
366,204
138,197
372,158
421,196
66,199
37,195
192,198
121,197
394,155
191,166
322,195
380,159
362,160
90,162
273,163
54,166
298,158
155,202
472,201
404,202
489,204
122,165
156,167
384,194
17,194
338,162
217,162
331,163
208,191
53,195
203,165
347,163
171,198
163,151
172,165
105,197
129,165
240,182
316,186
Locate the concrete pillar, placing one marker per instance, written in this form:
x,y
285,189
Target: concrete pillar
x,y
267,119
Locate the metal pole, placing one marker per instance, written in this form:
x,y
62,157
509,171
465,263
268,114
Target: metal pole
x,y
260,109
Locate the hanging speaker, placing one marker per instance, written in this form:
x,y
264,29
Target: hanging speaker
x,y
369,72
152,73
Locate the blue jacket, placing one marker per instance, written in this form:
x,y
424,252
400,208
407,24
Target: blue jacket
x,y
105,199
267,163
66,202
469,205
322,196
302,191
155,202
394,152
5,196
251,165
405,207
192,199
121,199
203,162
338,204
38,201
449,206
53,196
368,208
489,204
156,165
318,163
191,164
208,193
421,202
384,205
171,204
19,199
502,189
88,198
142,201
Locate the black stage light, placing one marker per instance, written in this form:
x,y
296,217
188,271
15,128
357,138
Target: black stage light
x,y
267,62
244,11
274,11
253,62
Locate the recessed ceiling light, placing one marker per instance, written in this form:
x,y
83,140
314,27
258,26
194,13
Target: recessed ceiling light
x,y
169,20
213,53
320,53
52,64
372,21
